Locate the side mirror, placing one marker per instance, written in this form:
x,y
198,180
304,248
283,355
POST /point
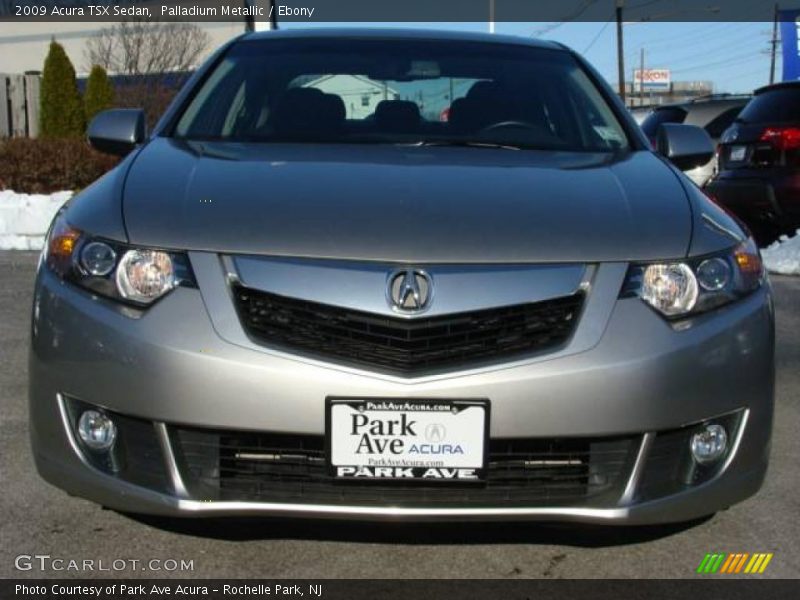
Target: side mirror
x,y
686,146
117,131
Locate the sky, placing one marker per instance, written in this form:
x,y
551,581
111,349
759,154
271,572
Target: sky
x,y
734,56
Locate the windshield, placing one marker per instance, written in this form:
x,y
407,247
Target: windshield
x,y
401,92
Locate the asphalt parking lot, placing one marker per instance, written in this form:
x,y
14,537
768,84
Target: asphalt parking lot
x,y
39,519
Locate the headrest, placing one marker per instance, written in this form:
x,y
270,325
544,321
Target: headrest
x,y
397,114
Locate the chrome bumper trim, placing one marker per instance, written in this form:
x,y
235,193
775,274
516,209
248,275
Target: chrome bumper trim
x,y
211,508
638,468
171,465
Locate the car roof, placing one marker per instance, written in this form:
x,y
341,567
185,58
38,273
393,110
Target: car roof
x,y
401,34
778,86
703,110
707,102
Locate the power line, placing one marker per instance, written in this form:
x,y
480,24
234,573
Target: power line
x,y
643,4
759,71
566,19
547,29
741,58
707,32
701,51
597,37
745,74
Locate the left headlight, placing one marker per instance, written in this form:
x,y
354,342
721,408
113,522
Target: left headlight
x,y
133,275
682,288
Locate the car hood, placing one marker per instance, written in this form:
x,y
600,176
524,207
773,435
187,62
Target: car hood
x,y
405,204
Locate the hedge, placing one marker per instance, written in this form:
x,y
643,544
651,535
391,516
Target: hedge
x,y
42,166
61,108
99,94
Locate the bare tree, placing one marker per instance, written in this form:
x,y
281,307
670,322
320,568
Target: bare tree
x,y
150,54
139,47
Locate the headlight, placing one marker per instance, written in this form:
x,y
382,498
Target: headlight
x,y
670,288
138,276
144,275
682,288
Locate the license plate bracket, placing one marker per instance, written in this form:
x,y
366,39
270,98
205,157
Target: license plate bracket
x,y
407,439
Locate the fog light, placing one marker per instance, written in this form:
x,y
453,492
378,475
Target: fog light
x,y
96,430
710,444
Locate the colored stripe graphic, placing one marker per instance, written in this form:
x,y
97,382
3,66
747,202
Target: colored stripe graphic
x,y
754,563
741,562
703,563
720,562
728,563
711,563
764,564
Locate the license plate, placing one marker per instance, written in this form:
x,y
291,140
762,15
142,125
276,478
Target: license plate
x,y
407,439
738,153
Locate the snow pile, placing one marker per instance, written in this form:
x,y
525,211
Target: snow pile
x,y
24,218
784,255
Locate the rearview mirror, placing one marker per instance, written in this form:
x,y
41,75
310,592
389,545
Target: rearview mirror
x,y
117,131
686,146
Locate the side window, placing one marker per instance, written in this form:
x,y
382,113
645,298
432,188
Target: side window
x,y
236,112
210,108
597,123
716,126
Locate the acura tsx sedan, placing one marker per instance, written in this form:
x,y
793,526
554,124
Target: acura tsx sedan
x,y
373,274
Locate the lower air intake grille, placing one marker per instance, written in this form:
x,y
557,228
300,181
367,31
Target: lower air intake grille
x,y
406,346
268,467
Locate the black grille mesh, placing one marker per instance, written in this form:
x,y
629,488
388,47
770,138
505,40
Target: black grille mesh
x,y
270,467
406,345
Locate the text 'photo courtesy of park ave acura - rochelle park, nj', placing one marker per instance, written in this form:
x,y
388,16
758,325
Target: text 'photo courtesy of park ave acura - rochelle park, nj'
x,y
399,299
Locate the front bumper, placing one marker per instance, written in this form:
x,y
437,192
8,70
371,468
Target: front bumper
x,y
171,368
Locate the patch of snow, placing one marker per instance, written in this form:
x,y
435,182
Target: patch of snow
x,y
783,256
24,218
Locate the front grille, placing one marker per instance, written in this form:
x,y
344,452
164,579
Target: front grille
x,y
269,467
406,346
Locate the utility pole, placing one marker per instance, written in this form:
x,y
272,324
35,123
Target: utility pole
x,y
641,78
620,51
273,15
249,20
491,16
253,24
774,46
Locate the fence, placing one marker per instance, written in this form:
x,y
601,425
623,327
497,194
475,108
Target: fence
x,y
19,105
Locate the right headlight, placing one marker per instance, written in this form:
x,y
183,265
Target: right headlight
x,y
129,274
682,288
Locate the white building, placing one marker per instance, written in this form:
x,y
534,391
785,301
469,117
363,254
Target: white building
x,y
360,95
24,46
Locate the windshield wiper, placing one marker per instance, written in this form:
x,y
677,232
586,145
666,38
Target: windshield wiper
x,y
463,143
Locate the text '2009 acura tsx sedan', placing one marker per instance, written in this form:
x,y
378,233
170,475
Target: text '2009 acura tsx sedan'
x,y
394,274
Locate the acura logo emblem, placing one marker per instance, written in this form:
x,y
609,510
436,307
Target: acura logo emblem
x,y
435,432
409,290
